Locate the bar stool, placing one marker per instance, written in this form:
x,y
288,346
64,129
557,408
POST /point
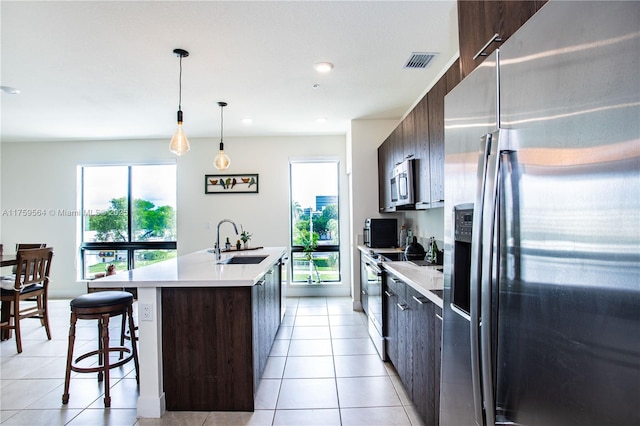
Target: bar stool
x,y
100,306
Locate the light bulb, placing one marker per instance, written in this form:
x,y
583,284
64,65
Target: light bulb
x,y
222,161
179,142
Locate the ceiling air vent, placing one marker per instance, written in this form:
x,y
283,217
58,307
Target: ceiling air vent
x,y
419,60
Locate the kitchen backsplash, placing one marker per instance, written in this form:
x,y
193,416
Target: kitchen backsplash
x,y
425,224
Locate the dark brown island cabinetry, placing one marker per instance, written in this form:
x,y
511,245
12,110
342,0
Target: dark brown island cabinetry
x,y
216,341
480,21
413,328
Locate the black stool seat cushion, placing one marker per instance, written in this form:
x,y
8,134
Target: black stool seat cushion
x,y
101,299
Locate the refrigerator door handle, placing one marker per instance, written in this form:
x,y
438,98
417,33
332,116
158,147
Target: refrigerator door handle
x,y
476,276
490,244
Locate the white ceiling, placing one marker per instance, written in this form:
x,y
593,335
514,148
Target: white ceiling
x,y
91,70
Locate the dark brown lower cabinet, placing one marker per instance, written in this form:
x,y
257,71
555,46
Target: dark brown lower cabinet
x,y
437,345
422,347
215,343
404,330
412,334
390,318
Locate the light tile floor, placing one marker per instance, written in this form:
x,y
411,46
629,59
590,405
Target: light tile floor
x,y
323,370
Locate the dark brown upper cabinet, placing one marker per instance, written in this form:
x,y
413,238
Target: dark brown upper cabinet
x,y
419,136
479,21
423,161
384,174
436,131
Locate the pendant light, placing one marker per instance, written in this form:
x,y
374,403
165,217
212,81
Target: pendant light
x,y
222,160
179,142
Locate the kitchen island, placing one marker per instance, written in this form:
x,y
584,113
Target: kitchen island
x,y
205,328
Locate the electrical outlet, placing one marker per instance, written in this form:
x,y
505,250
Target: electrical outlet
x,y
146,312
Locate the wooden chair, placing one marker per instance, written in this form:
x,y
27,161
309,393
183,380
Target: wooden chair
x,y
31,282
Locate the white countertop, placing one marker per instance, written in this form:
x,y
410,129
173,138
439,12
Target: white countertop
x,y
380,250
424,279
198,269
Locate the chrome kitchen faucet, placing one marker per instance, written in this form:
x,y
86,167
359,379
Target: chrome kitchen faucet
x,y
217,248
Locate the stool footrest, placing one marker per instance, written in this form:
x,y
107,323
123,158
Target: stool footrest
x,y
98,368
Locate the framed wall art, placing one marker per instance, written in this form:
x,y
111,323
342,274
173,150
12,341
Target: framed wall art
x,y
231,184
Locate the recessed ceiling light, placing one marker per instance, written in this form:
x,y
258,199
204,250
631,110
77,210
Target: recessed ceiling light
x,y
323,66
316,86
247,121
9,90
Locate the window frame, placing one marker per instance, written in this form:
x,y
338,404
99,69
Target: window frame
x,y
129,246
320,248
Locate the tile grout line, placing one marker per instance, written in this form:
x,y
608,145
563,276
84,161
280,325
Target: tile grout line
x,y
335,372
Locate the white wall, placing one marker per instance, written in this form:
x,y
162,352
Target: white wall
x,y
363,141
44,176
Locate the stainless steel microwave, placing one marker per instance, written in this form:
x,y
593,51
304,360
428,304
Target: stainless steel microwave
x,y
402,185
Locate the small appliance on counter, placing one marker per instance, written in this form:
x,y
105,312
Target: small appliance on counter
x,y
415,251
416,254
381,233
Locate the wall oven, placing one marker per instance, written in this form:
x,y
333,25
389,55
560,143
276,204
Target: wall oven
x,y
371,279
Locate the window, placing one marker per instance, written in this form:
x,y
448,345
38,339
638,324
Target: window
x,y
315,220
128,216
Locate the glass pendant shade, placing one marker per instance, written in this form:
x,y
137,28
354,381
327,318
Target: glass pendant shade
x,y
179,142
222,160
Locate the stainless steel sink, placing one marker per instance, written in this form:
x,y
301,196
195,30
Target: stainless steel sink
x,y
243,260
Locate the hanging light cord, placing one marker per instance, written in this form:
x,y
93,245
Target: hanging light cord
x,y
180,87
221,125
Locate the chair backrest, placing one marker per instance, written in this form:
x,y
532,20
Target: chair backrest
x,y
22,246
33,267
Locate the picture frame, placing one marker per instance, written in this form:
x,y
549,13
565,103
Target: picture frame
x,y
246,183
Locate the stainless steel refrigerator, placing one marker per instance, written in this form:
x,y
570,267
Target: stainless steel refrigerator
x,y
542,225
